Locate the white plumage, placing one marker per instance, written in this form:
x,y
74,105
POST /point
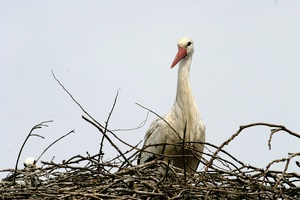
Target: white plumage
x,y
161,141
29,162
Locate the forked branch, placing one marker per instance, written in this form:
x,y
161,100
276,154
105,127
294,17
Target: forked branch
x,y
30,134
273,131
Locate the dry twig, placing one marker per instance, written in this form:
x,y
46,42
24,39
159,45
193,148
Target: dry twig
x,y
84,177
38,126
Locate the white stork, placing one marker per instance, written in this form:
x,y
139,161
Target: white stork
x,y
164,138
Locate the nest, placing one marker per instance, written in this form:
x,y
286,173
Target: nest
x,y
219,176
88,177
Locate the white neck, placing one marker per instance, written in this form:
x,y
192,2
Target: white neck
x,y
184,91
185,110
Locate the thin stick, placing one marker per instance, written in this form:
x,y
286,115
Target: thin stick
x,y
109,140
160,118
83,110
40,125
136,128
183,153
279,128
73,131
106,125
93,122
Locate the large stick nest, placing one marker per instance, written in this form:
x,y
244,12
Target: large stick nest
x,y
88,177
219,176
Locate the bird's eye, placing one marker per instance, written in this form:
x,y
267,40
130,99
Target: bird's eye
x,y
188,44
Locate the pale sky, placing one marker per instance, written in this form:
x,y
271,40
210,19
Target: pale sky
x,y
245,69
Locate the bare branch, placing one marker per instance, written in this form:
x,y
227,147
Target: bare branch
x,y
106,125
278,128
135,128
109,140
83,110
73,131
40,125
160,118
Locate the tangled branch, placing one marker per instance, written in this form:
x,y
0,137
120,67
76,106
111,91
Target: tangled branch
x,y
222,176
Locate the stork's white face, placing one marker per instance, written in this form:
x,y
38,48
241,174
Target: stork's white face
x,y
30,162
185,48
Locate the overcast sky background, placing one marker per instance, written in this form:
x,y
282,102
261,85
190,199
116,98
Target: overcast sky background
x,y
245,69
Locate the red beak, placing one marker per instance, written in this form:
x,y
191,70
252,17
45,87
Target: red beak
x,y
180,54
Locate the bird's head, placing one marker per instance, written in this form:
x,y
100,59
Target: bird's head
x,y
30,162
185,48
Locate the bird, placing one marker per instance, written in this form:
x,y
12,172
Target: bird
x,y
30,177
29,162
165,136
